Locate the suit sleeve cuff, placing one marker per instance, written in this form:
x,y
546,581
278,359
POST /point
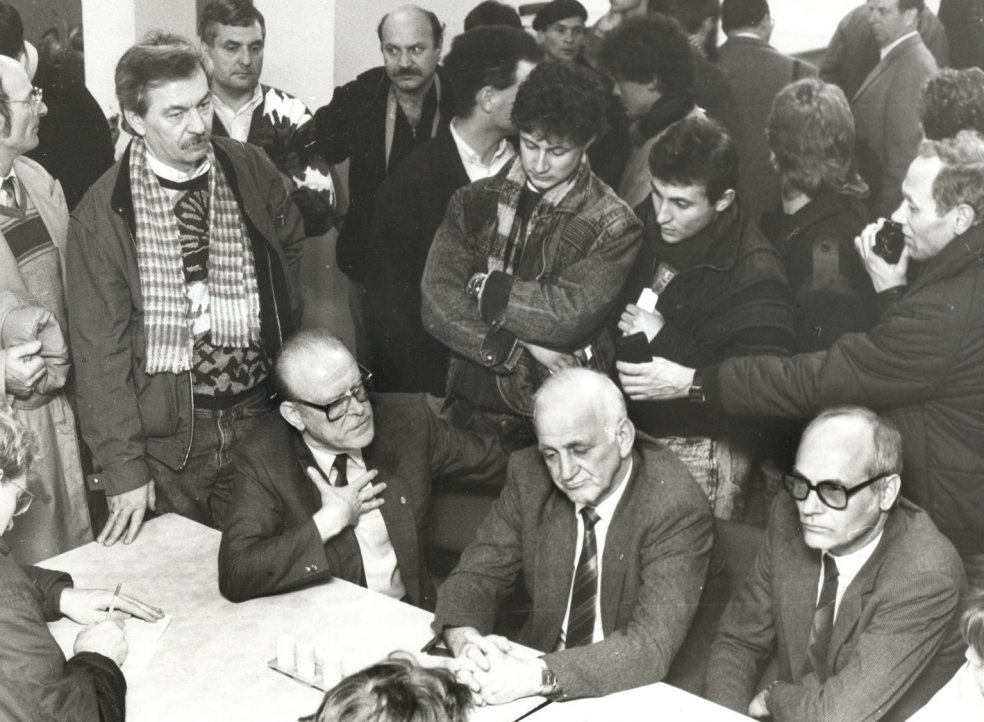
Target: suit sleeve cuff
x,y
495,298
712,386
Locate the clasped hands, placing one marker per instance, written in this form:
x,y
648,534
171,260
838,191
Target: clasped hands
x,y
490,668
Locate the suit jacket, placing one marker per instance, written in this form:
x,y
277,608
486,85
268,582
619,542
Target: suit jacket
x,y
653,569
853,50
759,72
410,206
896,636
886,111
270,543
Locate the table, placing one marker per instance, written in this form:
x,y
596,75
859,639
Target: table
x,y
211,662
652,702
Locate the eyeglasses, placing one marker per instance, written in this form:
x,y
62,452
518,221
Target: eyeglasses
x,y
24,499
339,407
832,493
34,98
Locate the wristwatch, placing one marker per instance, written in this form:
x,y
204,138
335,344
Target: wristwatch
x,y
697,388
548,682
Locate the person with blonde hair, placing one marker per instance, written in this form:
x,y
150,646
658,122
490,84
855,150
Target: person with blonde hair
x,y
962,698
396,689
36,682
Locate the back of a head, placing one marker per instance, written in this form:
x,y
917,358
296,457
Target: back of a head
x,y
972,625
696,151
11,31
738,14
18,447
486,56
562,101
396,690
161,58
643,49
961,179
492,12
953,100
237,13
812,136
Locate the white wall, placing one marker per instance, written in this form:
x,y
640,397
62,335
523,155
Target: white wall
x,y
299,57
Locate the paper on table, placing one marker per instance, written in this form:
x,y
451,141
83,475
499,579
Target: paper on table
x,y
142,639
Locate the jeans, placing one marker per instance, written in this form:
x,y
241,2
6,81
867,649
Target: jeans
x,y
720,467
201,490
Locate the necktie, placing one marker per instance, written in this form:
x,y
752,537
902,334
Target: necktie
x,y
9,189
823,619
340,464
580,624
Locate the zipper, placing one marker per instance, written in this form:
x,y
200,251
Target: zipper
x,y
191,419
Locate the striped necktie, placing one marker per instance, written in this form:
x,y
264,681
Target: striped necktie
x,y
823,619
584,592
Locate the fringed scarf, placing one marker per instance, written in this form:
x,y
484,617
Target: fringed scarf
x,y
234,299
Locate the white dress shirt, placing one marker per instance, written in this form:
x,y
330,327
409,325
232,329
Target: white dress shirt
x,y
605,511
237,122
472,161
848,566
378,555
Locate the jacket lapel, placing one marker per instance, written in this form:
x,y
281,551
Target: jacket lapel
x,y
893,55
397,511
799,578
619,538
554,571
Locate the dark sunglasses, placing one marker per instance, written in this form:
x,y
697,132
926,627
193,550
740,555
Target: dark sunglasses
x,y
339,407
832,493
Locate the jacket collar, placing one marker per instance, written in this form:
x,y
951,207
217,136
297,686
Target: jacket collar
x,y
725,234
826,204
122,195
572,202
960,254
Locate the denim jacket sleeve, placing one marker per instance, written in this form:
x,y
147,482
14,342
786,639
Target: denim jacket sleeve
x,y
563,308
449,315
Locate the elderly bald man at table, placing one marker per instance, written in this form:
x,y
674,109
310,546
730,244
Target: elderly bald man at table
x,y
612,536
339,485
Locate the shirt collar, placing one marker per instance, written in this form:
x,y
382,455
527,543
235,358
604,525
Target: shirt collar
x,y
466,151
850,564
888,48
248,107
162,169
606,509
326,458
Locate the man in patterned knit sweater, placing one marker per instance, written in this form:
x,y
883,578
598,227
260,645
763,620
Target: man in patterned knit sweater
x,y
182,266
233,35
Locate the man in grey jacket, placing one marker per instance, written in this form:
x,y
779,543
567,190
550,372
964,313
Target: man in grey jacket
x,y
182,264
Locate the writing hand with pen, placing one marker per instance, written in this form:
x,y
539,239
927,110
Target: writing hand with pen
x,y
103,612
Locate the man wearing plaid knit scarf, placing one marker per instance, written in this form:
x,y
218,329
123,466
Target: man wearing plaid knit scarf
x,y
179,295
528,264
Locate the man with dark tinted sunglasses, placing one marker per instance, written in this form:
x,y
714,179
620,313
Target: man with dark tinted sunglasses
x,y
340,485
855,594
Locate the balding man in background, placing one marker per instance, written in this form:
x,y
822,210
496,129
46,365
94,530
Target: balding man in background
x,y
610,611
376,120
338,485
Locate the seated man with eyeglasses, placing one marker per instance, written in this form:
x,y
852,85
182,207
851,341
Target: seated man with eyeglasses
x,y
855,595
340,485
